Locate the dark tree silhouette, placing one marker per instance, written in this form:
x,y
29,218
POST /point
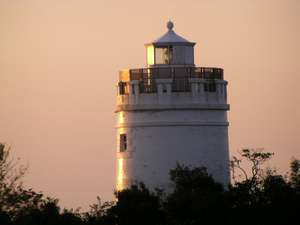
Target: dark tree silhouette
x,y
257,196
295,174
98,213
136,206
196,197
13,196
269,197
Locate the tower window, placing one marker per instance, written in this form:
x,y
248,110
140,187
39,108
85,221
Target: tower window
x,y
123,142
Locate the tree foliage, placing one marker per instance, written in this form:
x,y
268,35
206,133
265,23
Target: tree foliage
x,y
136,205
13,196
295,174
195,193
256,196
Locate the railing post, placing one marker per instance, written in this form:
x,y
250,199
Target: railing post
x,y
134,91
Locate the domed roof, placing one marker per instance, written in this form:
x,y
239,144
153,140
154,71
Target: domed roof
x,y
171,38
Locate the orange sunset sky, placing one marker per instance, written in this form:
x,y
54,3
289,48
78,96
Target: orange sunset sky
x,y
59,63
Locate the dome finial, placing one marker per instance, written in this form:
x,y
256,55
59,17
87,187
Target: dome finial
x,y
170,25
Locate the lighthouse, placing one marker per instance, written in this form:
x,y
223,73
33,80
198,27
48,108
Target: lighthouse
x,y
170,112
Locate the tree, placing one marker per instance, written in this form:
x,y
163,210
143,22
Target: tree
x,y
295,174
257,196
196,197
13,196
70,217
135,206
256,158
246,191
98,214
262,191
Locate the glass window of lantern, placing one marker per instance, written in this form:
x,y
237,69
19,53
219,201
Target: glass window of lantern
x,y
150,55
163,55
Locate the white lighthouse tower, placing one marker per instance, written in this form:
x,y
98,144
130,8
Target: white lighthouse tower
x,y
170,112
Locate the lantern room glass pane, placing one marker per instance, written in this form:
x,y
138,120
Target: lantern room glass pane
x,y
150,55
163,55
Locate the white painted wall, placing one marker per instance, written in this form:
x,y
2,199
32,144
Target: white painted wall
x,y
157,140
165,128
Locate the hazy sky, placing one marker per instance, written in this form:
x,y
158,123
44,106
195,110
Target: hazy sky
x,y
59,62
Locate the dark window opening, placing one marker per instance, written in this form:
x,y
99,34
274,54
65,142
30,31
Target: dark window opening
x,y
123,142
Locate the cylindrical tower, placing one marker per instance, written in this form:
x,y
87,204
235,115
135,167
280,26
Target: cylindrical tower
x,y
170,112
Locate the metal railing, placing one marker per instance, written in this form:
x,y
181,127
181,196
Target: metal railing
x,y
180,77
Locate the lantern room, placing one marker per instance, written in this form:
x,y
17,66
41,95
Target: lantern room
x,y
170,49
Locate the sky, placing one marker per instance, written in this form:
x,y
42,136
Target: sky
x,y
59,63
